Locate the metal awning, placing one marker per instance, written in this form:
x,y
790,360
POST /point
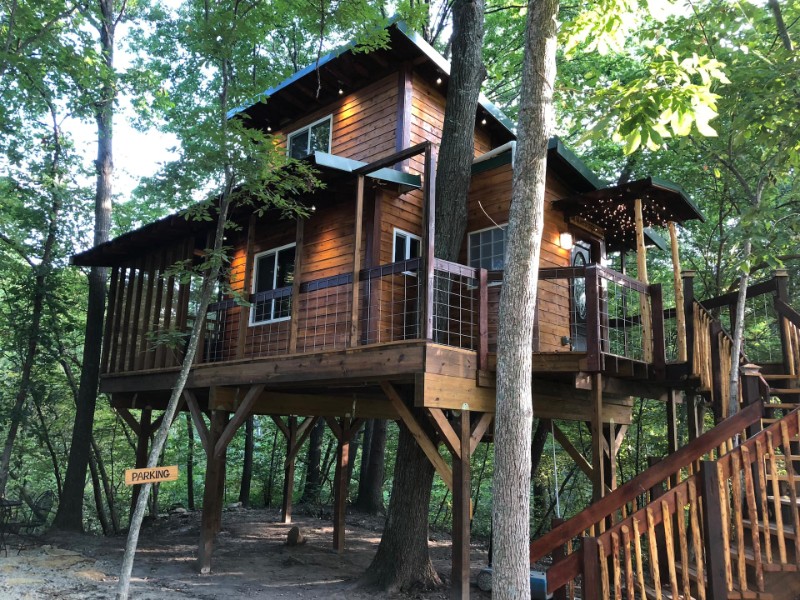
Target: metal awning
x,y
612,209
404,181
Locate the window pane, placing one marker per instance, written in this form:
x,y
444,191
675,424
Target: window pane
x,y
298,144
320,136
399,246
285,267
414,250
265,272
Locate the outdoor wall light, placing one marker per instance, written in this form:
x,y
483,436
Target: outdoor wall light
x,y
565,240
341,92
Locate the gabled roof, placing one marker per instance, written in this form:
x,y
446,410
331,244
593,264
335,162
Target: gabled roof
x,y
345,69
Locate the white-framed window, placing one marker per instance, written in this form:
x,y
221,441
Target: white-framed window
x,y
316,136
272,270
405,246
487,248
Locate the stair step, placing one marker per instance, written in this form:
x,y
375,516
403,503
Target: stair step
x,y
750,560
785,500
781,406
778,391
788,532
778,376
732,595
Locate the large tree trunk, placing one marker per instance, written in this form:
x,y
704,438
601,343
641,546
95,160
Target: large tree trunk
x,y
247,467
402,557
70,510
514,413
313,480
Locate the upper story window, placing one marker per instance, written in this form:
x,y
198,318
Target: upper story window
x,y
406,245
487,248
272,270
316,136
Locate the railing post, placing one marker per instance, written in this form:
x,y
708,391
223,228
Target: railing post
x,y
688,311
593,337
782,293
483,319
659,351
591,589
718,403
713,538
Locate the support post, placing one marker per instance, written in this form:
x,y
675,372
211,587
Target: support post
x,y
680,315
641,275
429,195
288,472
782,293
593,338
212,494
340,485
688,312
483,320
359,217
298,272
461,511
598,470
694,417
715,549
719,404
672,428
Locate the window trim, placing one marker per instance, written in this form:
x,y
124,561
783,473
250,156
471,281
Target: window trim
x,y
503,227
251,320
308,127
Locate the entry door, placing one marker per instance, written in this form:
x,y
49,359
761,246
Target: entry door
x,y
581,256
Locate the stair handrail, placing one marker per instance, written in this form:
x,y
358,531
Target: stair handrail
x,y
643,482
787,312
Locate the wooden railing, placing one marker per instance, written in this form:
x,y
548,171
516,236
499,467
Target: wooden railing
x,y
712,358
717,532
637,492
790,334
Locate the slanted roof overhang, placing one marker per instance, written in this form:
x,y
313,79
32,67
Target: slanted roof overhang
x,y
332,170
612,209
318,84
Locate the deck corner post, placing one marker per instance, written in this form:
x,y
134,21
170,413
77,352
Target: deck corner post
x,y
598,458
288,472
483,319
213,490
340,483
713,539
593,310
591,569
461,511
429,193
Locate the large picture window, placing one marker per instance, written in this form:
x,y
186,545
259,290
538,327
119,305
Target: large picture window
x,y
487,248
316,136
272,270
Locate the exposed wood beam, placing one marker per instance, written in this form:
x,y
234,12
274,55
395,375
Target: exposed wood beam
x,y
446,432
419,434
479,430
303,431
239,417
126,416
197,419
623,429
281,425
573,452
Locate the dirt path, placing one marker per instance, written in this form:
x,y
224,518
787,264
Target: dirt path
x,y
250,560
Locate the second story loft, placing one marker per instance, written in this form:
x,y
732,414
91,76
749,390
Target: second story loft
x,y
359,273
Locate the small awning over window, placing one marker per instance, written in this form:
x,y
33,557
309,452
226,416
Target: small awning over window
x,y
612,209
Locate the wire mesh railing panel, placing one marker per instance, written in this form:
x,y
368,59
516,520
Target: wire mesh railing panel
x,y
324,317
221,331
455,306
391,303
624,317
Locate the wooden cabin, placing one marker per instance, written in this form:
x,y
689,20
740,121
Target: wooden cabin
x,y
350,316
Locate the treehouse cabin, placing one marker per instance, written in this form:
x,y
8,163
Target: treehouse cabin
x,y
350,315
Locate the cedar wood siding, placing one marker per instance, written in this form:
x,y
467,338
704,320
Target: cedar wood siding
x,y
493,189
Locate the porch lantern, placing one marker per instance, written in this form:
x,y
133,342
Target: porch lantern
x,y
565,240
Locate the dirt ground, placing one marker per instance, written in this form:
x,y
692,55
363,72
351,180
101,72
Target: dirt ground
x,y
251,560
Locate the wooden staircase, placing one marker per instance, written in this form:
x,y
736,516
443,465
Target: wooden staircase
x,y
719,519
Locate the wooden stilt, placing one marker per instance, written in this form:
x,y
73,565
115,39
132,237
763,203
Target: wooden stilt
x,y
288,471
461,511
142,449
598,466
680,315
672,427
212,498
610,456
641,275
340,485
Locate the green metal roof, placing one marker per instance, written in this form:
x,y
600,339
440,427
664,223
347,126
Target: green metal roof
x,y
406,181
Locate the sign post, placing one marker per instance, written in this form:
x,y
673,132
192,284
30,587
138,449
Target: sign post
x,y
152,475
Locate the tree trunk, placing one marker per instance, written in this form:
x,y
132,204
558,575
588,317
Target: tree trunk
x,y
402,559
514,412
189,463
402,556
311,488
45,438
39,295
371,501
363,470
70,509
247,467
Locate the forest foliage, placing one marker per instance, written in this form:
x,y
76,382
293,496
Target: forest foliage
x,y
702,93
